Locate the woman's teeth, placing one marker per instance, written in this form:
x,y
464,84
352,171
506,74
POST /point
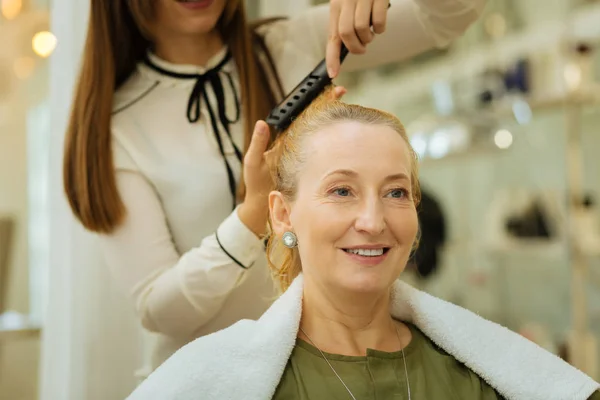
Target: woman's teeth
x,y
366,252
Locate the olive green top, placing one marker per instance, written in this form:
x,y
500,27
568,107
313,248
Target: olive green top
x,y
432,374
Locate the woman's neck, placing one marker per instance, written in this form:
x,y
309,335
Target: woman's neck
x,y
188,49
348,324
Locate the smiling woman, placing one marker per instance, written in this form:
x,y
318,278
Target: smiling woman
x,y
342,188
343,209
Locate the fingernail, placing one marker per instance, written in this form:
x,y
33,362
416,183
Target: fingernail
x,y
262,131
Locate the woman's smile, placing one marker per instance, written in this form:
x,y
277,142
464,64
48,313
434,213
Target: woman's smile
x,y
367,254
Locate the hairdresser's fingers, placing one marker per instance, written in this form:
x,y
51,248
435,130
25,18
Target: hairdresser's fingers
x,y
362,21
379,16
347,27
258,145
338,92
332,53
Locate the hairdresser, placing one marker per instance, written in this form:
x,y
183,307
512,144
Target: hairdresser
x,y
162,129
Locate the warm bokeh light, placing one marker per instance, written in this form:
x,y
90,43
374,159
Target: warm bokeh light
x,y
44,43
495,25
572,75
503,139
10,8
23,67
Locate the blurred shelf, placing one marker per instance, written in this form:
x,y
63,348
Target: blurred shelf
x,y
545,248
550,102
462,156
15,326
590,98
581,24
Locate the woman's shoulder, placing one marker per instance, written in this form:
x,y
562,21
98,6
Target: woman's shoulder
x,y
450,374
197,365
432,351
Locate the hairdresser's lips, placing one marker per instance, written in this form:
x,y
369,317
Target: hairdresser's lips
x,y
195,4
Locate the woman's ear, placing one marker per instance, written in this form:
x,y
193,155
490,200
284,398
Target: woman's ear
x,y
280,213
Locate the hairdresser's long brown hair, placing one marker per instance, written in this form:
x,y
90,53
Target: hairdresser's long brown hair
x,y
117,39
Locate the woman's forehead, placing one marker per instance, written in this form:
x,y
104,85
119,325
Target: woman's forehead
x,y
357,145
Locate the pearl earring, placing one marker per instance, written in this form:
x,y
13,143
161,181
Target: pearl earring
x,y
289,240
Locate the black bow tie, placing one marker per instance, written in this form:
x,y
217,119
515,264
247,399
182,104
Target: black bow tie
x,y
212,77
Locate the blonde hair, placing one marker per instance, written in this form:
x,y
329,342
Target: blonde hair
x,y
288,157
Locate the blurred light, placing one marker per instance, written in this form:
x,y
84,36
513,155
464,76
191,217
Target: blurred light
x,y
458,136
503,139
13,320
572,75
43,43
522,111
495,25
439,144
10,8
419,144
24,67
442,97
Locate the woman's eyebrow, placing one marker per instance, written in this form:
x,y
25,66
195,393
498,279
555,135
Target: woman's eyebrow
x,y
353,174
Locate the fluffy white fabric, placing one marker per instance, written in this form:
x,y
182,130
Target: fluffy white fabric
x,y
246,361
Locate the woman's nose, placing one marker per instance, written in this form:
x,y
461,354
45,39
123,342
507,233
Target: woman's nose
x,y
370,217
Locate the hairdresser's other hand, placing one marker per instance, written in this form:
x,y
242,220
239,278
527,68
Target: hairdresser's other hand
x,y
350,22
253,212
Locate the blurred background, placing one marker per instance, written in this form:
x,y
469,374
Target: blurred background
x,y
507,124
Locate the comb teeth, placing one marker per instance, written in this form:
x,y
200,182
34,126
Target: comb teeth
x,y
302,95
293,99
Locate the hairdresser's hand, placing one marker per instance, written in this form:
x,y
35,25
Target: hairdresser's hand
x,y
350,22
255,209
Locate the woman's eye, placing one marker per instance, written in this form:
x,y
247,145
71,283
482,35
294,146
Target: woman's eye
x,y
342,192
398,193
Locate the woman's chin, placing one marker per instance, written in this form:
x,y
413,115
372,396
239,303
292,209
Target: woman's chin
x,y
367,283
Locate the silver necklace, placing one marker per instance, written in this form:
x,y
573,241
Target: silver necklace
x,y
341,380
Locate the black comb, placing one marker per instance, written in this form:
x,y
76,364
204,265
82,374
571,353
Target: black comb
x,y
301,96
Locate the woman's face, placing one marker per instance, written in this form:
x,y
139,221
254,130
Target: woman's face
x,y
187,17
353,214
